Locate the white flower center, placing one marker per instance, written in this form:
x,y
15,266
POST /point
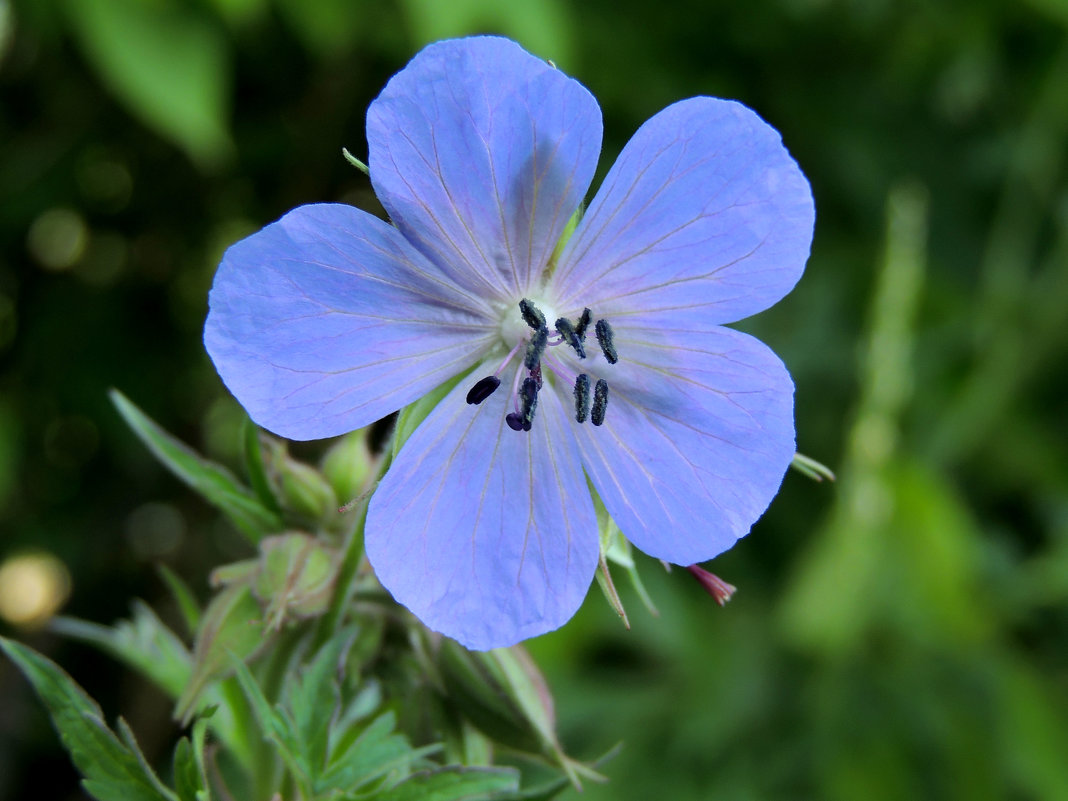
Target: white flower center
x,y
514,329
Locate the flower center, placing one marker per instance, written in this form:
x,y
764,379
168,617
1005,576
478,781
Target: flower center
x,y
528,333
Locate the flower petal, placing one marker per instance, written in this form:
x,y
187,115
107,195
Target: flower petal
x,y
704,217
327,320
480,153
488,535
695,442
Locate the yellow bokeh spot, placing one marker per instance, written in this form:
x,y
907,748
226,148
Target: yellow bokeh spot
x,y
33,586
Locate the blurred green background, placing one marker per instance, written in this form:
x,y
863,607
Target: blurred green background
x,y
902,633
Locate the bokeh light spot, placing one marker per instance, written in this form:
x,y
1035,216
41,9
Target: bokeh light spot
x,y
33,586
58,238
154,530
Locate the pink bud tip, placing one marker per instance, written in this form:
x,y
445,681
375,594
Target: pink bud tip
x,y
720,590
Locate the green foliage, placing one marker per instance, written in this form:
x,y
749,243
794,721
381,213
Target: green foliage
x,y
311,722
231,625
167,64
114,769
143,643
898,634
214,483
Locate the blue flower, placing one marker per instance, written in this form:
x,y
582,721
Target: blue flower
x,y
484,525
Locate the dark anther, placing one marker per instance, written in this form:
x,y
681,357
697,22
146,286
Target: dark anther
x,y
582,397
535,348
528,394
604,339
536,375
534,318
567,331
514,421
483,389
600,402
583,324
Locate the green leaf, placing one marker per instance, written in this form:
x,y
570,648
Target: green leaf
x,y
232,626
113,771
376,753
257,471
454,784
275,726
497,694
216,484
314,698
167,64
183,596
187,780
144,643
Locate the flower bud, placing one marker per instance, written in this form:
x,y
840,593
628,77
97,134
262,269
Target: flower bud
x,y
349,465
295,578
303,490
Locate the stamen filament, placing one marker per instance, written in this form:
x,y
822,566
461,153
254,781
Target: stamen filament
x,y
508,358
566,374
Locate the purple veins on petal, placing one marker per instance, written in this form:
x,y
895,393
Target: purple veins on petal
x,y
328,320
481,153
488,551
697,443
704,219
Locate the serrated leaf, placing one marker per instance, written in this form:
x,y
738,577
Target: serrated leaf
x,y
143,643
375,754
454,784
167,64
314,698
113,771
213,482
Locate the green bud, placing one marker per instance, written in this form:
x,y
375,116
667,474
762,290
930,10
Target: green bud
x,y
300,488
296,577
349,466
